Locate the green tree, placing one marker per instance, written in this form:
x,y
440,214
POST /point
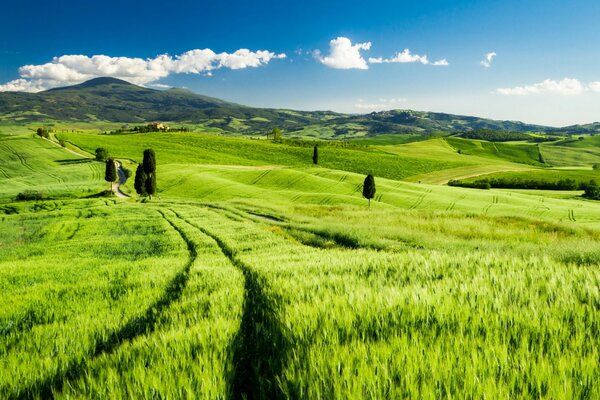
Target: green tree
x,y
149,166
369,188
150,185
592,191
139,182
110,173
149,161
316,155
276,134
102,154
42,132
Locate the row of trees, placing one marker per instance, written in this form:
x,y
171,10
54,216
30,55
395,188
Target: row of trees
x,y
519,183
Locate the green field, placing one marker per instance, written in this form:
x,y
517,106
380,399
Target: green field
x,y
255,273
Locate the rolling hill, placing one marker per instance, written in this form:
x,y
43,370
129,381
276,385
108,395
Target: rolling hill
x,y
114,100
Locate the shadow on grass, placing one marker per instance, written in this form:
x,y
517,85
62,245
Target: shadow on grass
x,y
75,161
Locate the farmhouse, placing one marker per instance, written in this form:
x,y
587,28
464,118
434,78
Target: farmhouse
x,y
158,126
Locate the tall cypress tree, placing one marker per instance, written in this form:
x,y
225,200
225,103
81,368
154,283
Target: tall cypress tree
x,y
369,188
149,165
316,155
110,172
151,184
140,180
149,161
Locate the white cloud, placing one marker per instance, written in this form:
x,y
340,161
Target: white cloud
x,y
440,63
487,61
344,55
407,57
73,69
567,86
159,86
594,86
381,104
22,85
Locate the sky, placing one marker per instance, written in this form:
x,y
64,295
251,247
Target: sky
x,y
534,61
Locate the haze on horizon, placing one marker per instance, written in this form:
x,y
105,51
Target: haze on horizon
x,y
507,60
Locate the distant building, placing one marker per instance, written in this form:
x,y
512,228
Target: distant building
x,y
158,126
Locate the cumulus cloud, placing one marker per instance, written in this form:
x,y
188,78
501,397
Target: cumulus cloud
x,y
344,55
407,57
487,61
73,69
567,86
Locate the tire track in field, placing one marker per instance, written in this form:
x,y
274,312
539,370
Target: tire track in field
x,y
260,347
136,326
453,204
4,173
24,162
260,177
418,202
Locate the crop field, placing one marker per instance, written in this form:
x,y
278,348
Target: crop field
x,y
255,274
37,164
520,153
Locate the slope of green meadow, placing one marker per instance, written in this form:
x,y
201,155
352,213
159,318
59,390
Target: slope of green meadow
x,y
254,273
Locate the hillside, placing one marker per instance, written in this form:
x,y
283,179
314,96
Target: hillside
x,y
251,255
109,99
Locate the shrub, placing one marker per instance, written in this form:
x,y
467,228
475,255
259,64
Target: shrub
x,y
30,195
592,191
42,132
101,154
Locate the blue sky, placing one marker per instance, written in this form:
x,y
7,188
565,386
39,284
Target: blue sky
x,y
345,56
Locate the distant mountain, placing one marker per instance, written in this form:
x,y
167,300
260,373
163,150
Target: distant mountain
x,y
110,99
115,100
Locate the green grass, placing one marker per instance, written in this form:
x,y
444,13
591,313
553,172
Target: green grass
x,y
193,148
255,273
518,153
568,156
37,164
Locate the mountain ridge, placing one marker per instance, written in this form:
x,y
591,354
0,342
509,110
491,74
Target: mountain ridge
x,y
116,100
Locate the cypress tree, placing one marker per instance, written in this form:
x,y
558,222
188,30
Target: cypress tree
x,y
140,180
151,184
149,165
149,161
316,155
110,173
369,188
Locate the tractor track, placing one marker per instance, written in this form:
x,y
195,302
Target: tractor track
x,y
260,347
139,325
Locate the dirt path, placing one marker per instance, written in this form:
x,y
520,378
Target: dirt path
x,y
121,181
66,149
120,172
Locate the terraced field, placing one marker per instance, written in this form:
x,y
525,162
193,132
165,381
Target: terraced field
x,y
254,274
